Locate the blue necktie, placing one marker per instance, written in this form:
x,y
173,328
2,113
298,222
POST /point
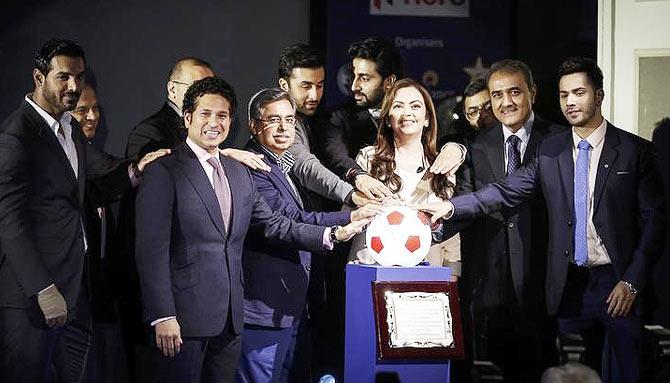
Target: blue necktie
x,y
581,196
513,155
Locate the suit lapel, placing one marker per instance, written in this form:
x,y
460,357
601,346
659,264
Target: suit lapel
x,y
494,151
276,175
605,164
198,178
233,172
566,167
44,131
79,142
536,134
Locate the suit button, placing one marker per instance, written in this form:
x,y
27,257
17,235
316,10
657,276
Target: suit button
x,y
569,223
567,253
510,225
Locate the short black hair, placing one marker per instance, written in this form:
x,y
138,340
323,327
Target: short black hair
x,y
511,66
298,56
475,86
208,85
582,65
380,51
56,47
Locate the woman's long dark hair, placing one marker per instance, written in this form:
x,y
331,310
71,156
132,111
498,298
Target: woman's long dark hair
x,y
383,165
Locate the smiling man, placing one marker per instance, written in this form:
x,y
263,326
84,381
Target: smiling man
x,y
193,213
507,259
87,112
277,278
606,221
301,74
45,163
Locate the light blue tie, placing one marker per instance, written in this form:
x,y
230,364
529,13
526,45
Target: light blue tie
x,y
581,197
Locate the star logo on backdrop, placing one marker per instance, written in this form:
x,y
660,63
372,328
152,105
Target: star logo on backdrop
x,y
478,70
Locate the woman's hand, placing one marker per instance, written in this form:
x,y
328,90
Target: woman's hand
x,y
367,212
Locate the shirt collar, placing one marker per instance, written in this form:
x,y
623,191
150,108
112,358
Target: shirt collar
x,y
595,138
175,108
285,161
523,133
375,113
65,119
201,153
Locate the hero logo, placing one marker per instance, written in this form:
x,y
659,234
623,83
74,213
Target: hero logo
x,y
435,8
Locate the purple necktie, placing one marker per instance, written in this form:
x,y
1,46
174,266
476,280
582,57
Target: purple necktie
x,y
513,155
222,189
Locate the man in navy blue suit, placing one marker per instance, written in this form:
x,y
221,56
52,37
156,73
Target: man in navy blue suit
x,y
193,213
275,345
606,215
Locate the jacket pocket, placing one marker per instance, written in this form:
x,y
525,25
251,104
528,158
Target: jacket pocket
x,y
185,277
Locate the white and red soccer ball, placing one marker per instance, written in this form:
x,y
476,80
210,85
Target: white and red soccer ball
x,y
399,236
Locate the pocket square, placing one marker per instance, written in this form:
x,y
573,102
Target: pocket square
x,y
622,172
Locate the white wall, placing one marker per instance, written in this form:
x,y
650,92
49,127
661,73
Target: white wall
x,y
628,29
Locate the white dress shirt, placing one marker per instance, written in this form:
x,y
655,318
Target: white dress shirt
x,y
64,139
597,253
524,135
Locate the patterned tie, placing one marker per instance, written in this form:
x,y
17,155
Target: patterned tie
x,y
513,155
581,197
222,190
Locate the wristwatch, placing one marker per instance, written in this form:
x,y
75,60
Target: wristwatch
x,y
630,287
333,237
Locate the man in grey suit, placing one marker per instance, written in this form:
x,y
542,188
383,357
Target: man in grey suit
x,y
302,75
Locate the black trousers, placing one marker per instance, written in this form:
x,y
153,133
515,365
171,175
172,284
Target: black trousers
x,y
519,340
30,351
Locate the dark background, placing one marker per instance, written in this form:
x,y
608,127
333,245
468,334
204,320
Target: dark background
x,y
131,45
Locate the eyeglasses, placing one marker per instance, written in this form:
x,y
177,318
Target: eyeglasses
x,y
182,83
276,121
474,111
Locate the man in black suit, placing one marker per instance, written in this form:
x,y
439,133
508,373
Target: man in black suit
x,y
505,271
45,162
606,214
165,129
193,213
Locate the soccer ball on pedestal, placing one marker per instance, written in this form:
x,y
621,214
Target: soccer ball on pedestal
x,y
399,236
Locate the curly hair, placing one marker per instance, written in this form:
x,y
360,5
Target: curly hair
x,y
382,166
208,85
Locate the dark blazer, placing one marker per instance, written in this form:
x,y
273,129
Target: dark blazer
x,y
41,205
351,128
628,213
190,266
515,239
277,277
163,130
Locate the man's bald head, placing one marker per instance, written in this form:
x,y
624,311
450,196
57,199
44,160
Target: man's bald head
x,y
185,72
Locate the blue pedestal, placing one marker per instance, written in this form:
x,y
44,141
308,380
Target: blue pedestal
x,y
360,360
